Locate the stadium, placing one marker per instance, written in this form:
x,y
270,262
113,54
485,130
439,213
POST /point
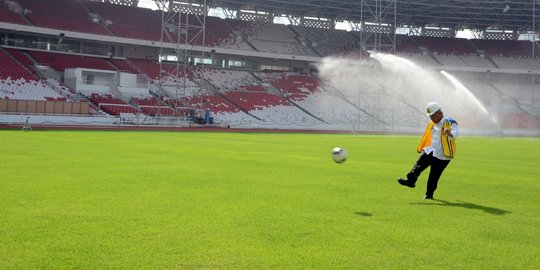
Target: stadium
x,y
79,62
172,134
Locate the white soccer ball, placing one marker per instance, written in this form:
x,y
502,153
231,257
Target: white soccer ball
x,y
339,154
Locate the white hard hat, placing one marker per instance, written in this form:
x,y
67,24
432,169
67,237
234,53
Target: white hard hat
x,y
432,108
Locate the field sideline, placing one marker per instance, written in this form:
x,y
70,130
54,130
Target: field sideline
x,y
216,200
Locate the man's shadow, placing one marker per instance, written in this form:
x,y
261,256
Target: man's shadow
x,y
467,205
364,214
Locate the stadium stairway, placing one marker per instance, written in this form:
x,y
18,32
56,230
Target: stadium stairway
x,y
490,60
294,31
67,94
259,79
126,65
226,22
515,103
474,46
299,38
102,21
26,63
305,111
272,89
342,96
12,54
434,58
401,97
251,45
211,88
205,84
117,94
308,42
46,75
43,73
485,52
15,17
61,15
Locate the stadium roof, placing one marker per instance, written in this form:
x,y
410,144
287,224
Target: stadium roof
x,y
474,14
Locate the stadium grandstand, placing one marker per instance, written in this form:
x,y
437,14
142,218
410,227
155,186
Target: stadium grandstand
x,y
347,65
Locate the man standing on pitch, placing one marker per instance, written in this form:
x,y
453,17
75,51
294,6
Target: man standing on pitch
x,y
437,148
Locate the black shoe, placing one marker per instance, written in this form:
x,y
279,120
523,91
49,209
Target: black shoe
x,y
406,182
428,197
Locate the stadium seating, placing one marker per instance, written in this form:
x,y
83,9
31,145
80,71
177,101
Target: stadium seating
x,y
330,108
506,48
9,16
157,110
129,22
441,45
328,42
516,62
124,66
61,14
249,101
423,60
216,31
147,101
450,60
226,80
294,86
11,69
518,92
517,121
240,89
212,102
145,24
174,81
18,82
270,108
105,99
151,106
405,44
236,39
150,68
272,38
476,61
111,105
20,56
27,90
61,87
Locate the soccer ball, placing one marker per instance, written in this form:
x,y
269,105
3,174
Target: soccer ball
x,y
339,154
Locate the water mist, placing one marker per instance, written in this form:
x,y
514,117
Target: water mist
x,y
399,88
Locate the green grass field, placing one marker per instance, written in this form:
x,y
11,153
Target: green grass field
x,y
189,200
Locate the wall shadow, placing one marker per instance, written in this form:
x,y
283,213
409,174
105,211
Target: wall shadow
x,y
467,205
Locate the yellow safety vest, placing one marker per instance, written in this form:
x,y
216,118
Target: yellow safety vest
x,y
448,145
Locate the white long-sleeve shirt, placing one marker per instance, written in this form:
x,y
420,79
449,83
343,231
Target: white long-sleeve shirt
x,y
436,145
